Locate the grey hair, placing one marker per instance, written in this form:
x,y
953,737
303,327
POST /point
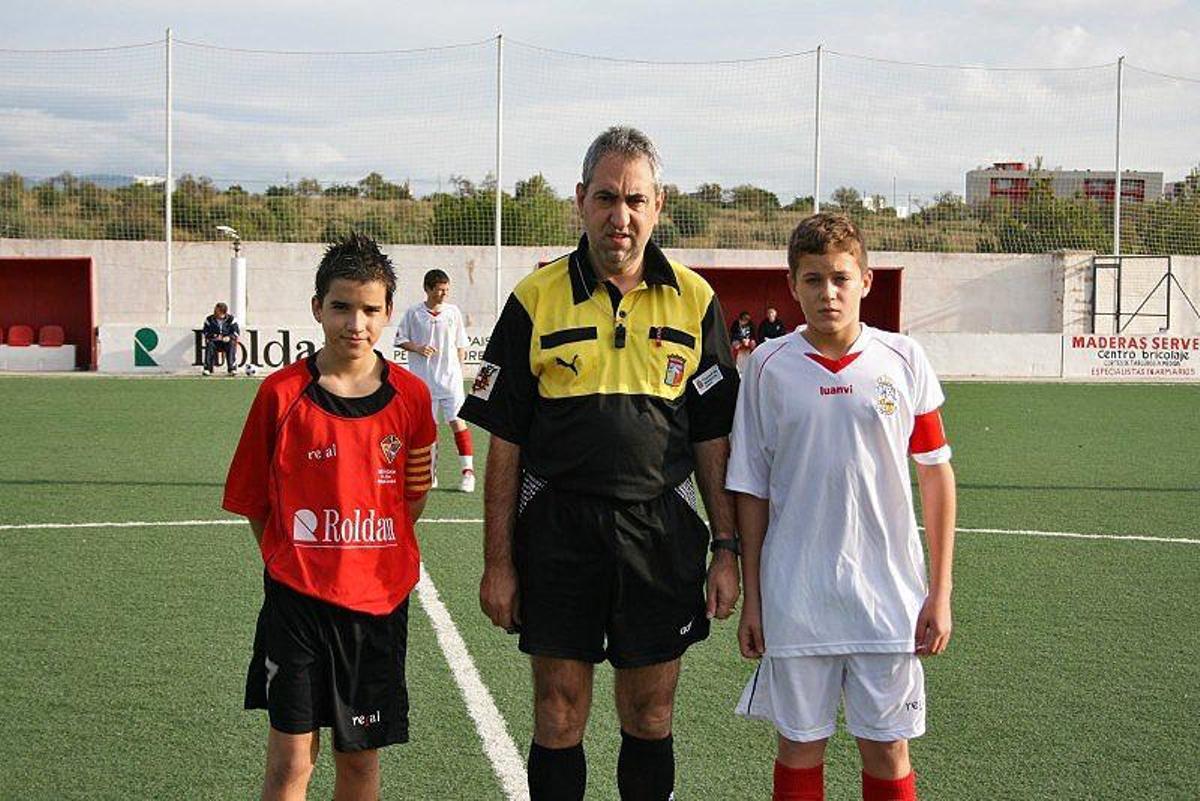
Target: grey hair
x,y
629,142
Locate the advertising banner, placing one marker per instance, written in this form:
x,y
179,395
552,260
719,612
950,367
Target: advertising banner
x,y
1133,357
149,349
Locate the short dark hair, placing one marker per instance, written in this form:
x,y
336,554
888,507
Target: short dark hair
x,y
820,233
435,277
355,258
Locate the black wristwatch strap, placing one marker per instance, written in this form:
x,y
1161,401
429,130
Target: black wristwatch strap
x,y
728,544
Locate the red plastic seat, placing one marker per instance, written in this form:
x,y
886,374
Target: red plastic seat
x,y
20,336
1,336
51,336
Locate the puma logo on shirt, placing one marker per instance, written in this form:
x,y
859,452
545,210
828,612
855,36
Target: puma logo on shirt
x,y
569,365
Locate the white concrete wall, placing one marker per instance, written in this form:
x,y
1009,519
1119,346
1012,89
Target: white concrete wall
x,y
993,355
942,292
966,292
1183,319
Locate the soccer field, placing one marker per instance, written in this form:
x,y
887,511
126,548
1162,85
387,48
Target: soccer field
x,y
1074,672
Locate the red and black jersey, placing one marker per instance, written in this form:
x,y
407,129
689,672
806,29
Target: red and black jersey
x,y
331,479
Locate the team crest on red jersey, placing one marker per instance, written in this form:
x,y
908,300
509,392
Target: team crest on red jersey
x,y
391,445
675,365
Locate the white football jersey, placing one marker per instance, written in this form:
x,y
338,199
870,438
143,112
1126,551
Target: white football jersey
x,y
826,443
445,331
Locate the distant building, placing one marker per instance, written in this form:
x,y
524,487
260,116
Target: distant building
x,y
1013,180
1188,187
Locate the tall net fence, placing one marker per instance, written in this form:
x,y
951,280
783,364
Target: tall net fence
x,y
735,138
1162,128
300,147
900,142
82,143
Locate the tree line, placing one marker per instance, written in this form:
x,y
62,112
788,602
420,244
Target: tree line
x,y
712,216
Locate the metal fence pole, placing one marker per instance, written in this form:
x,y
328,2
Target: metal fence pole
x,y
169,178
817,139
1117,180
499,150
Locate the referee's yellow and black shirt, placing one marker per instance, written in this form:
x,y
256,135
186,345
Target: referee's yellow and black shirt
x,y
605,393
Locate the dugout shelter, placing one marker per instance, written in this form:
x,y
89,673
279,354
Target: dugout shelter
x,y
755,289
49,294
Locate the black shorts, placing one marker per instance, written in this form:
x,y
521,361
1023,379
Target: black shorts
x,y
320,665
605,579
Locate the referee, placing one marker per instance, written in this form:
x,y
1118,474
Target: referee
x,y
607,381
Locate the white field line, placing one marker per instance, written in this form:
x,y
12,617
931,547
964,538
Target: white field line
x,y
498,745
1077,536
166,523
477,520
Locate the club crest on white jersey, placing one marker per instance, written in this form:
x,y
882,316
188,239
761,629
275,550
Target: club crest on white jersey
x,y
887,397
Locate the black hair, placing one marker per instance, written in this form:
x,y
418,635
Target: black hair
x,y
435,277
355,258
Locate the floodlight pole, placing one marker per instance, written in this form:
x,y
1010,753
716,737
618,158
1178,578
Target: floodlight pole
x,y
237,283
1117,181
817,139
169,181
499,149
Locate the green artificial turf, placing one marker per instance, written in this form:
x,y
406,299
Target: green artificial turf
x,y
1072,672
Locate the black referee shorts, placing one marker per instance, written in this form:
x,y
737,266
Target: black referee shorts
x,y
320,665
605,579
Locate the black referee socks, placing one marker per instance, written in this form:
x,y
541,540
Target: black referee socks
x,y
557,774
646,768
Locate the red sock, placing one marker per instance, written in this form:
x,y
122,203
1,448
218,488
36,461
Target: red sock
x,y
799,784
874,789
462,441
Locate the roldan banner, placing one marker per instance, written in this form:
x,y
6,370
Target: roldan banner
x,y
151,349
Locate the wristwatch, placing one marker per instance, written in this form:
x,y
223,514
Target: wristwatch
x,y
733,544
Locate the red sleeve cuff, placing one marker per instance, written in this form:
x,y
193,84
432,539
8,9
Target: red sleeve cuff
x,y
928,434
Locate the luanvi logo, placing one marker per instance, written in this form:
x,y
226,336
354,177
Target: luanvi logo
x,y
848,389
144,341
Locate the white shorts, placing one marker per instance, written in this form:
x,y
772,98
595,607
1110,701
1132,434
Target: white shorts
x,y
885,696
446,409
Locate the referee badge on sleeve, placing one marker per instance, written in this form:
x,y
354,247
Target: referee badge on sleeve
x,y
485,380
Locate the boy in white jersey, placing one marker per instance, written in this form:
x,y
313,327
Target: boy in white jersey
x,y
435,337
837,603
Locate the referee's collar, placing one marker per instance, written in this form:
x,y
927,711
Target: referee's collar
x,y
656,270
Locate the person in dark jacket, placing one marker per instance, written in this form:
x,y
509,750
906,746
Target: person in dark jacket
x,y
771,327
220,334
741,335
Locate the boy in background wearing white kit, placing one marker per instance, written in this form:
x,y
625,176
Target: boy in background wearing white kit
x,y
435,337
837,603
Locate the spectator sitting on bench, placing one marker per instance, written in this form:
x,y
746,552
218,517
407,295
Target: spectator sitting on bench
x,y
220,335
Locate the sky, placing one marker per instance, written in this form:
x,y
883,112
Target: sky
x,y
257,118
1162,35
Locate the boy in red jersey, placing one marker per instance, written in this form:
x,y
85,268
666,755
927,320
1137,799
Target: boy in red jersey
x,y
332,470
839,605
